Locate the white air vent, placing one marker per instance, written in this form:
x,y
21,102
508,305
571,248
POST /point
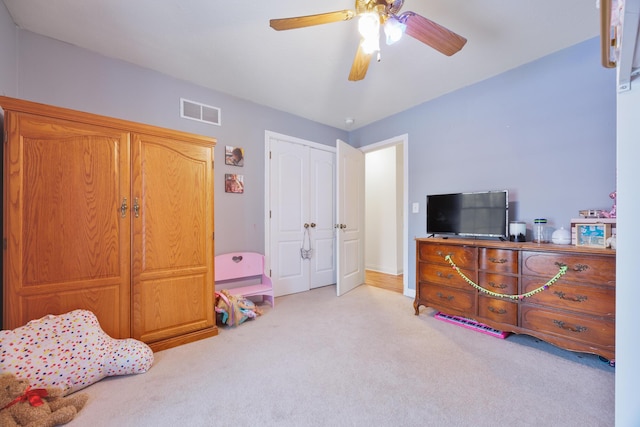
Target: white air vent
x,y
200,112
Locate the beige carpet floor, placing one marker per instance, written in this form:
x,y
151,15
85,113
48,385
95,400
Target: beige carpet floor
x,y
363,359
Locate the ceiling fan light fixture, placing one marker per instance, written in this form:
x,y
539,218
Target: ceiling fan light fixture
x,y
394,30
371,45
369,28
373,14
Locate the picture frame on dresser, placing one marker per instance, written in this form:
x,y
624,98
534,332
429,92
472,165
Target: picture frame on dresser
x,y
593,235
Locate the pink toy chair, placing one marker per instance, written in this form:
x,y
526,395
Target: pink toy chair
x,y
238,268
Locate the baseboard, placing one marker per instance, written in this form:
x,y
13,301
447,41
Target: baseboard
x,y
383,270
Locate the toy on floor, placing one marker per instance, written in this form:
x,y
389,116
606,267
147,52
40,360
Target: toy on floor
x,y
69,351
22,405
234,310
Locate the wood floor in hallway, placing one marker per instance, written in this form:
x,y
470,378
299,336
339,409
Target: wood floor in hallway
x,y
383,280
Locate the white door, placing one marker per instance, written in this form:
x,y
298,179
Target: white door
x,y
350,217
301,191
289,211
322,217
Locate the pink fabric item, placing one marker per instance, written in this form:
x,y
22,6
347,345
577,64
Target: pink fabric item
x,y
69,351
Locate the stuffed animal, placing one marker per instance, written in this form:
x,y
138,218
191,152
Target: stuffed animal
x,y
42,407
69,351
612,213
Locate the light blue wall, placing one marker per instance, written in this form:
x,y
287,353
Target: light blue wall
x,y
544,131
8,37
60,74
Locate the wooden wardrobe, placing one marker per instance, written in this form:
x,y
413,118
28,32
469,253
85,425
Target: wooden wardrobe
x,y
110,216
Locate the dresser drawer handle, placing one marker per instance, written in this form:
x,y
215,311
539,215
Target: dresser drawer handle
x,y
497,310
440,253
500,286
562,325
498,261
446,276
578,267
581,267
579,298
447,297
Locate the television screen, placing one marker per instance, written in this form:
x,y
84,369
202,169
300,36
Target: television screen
x,y
481,214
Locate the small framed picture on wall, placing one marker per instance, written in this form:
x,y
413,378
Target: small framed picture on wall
x,y
233,156
233,183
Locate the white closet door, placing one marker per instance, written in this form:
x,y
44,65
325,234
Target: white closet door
x,y
322,216
289,194
301,191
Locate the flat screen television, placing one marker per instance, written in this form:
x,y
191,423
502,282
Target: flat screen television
x,y
477,214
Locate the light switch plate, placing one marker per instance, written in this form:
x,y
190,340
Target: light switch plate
x,y
415,208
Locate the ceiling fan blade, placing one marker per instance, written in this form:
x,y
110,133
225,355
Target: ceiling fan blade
x,y
360,64
310,20
438,37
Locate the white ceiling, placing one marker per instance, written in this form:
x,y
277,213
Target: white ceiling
x,y
228,46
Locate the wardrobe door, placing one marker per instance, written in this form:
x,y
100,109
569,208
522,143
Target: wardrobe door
x,y
67,241
172,241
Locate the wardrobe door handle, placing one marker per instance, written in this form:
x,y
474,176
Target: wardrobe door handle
x,y
123,207
136,208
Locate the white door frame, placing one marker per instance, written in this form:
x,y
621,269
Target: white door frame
x,y
268,135
404,141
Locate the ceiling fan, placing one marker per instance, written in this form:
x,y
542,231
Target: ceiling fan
x,y
372,15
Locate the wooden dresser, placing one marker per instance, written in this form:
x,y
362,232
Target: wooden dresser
x,y
576,312
110,216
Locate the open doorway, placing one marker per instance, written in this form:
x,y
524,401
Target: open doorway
x,y
386,229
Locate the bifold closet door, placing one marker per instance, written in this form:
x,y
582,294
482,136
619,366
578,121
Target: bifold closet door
x,y
172,241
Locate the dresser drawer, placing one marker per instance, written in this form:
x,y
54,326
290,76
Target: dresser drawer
x,y
498,310
505,285
444,275
599,301
498,260
581,268
462,256
584,329
448,299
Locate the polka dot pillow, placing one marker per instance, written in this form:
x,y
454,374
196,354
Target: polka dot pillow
x,y
69,351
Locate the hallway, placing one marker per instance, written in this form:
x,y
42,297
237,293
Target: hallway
x,y
384,281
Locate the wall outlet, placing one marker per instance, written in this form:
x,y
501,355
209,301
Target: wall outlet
x,y
415,207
